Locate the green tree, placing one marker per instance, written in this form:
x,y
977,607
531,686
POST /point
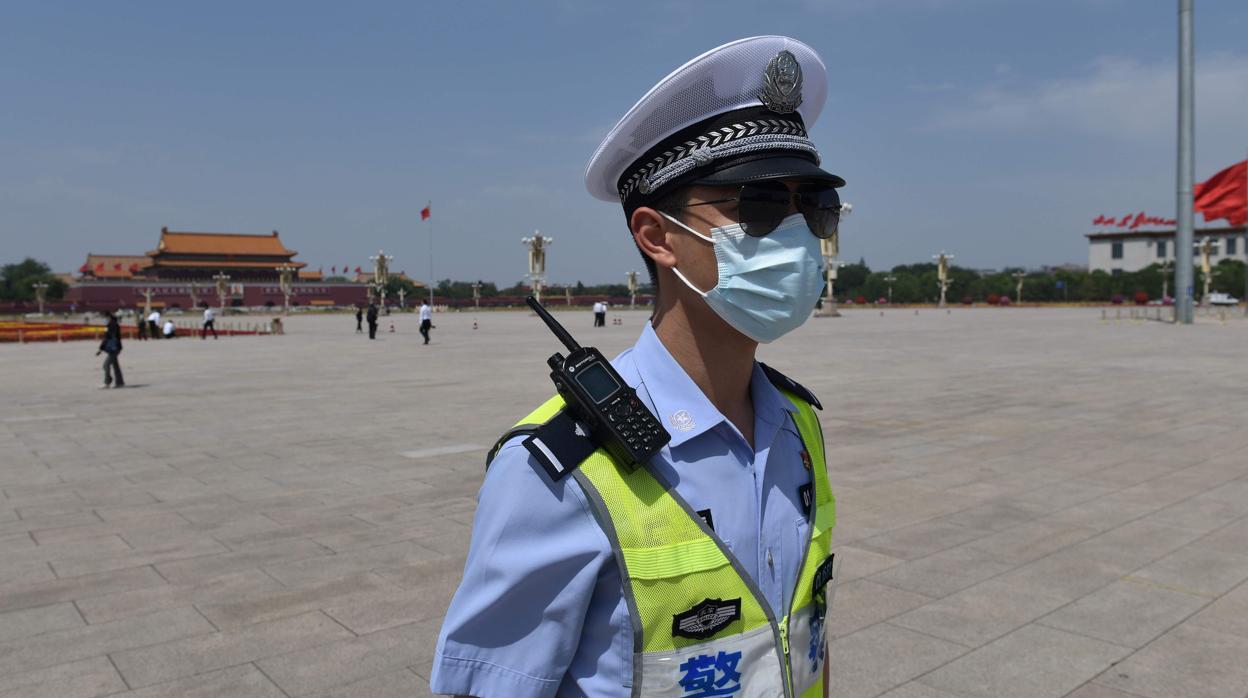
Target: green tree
x,y
1230,278
850,279
17,281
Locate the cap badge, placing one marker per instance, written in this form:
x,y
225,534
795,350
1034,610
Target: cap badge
x,y
782,84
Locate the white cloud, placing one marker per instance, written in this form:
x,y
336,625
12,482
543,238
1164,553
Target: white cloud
x,y
1116,98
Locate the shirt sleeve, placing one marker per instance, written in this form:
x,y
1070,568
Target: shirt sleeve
x,y
515,622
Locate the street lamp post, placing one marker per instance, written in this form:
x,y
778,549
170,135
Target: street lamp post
x,y
889,280
830,248
194,291
829,304
537,245
41,294
1207,248
942,274
1018,288
147,301
381,274
1165,280
223,288
476,294
285,278
402,298
632,290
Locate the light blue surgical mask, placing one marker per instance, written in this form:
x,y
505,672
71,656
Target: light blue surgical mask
x,y
768,285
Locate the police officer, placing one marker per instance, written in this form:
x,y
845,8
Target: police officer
x,y
705,572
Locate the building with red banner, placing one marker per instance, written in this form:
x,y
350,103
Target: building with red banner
x,y
1127,250
184,269
1137,240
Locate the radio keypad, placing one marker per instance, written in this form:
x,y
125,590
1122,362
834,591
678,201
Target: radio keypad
x,y
634,424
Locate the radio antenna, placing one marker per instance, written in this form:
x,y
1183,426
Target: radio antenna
x,y
553,324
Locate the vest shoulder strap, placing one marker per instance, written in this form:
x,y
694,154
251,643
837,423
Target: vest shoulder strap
x,y
783,382
557,441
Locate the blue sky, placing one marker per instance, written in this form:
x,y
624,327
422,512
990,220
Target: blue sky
x,y
990,128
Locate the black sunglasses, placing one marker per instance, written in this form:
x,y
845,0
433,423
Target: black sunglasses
x,y
762,205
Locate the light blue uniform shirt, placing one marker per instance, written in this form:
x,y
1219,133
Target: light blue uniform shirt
x,y
540,610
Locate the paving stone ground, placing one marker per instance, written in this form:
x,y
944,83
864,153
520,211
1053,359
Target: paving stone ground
x,y
1031,503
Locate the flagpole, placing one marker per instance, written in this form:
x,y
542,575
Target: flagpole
x,y
429,206
1185,166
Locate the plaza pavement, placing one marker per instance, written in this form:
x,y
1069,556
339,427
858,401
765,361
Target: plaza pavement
x,y
1031,503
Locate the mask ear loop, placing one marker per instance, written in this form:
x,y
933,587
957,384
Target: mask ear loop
x,y
676,271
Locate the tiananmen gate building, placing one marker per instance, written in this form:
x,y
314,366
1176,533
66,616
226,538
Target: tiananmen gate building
x,y
183,270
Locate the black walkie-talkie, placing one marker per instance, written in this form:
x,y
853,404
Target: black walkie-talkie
x,y
600,398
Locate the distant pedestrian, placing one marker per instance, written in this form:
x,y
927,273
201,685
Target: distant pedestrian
x,y
153,324
359,320
426,320
600,314
111,347
140,324
169,330
209,324
372,321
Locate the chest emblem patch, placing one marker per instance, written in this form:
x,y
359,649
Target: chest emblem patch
x,y
682,420
706,618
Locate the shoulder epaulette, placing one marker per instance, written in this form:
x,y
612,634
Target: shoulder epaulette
x,y
559,445
783,382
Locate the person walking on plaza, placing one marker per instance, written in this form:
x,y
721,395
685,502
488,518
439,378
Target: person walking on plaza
x,y
209,324
359,320
372,321
600,313
110,346
140,325
707,568
426,319
153,324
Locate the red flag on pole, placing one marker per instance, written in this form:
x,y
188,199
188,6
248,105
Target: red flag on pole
x,y
84,268
99,267
117,266
357,271
1224,195
134,267
424,212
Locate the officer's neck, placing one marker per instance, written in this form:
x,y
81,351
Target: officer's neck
x,y
719,359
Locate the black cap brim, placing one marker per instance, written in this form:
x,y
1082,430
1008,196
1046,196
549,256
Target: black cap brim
x,y
765,168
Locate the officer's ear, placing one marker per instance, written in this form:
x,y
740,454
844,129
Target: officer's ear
x,y
650,234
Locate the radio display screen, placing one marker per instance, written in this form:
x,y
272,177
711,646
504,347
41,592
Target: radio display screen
x,y
597,382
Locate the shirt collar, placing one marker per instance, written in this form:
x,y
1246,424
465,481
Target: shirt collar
x,y
680,404
770,404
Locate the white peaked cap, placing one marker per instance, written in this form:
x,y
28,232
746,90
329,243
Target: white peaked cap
x,y
725,79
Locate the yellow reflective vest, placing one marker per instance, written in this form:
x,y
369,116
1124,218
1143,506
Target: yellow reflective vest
x,y
701,627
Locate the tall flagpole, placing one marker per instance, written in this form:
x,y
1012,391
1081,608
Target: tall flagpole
x,y
1186,171
429,207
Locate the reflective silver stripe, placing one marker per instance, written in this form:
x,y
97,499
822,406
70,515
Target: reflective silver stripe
x,y
603,516
555,462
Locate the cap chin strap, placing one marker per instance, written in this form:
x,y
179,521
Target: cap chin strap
x,y
676,271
